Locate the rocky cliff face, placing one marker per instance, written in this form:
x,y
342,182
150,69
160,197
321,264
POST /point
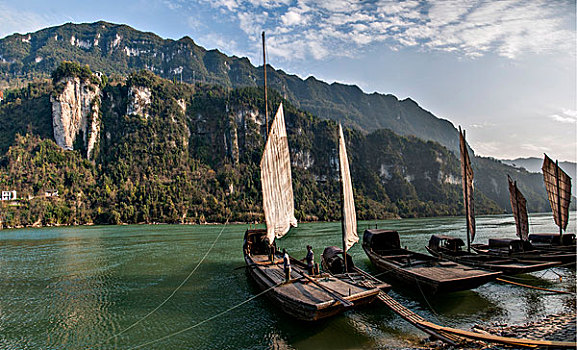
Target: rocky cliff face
x,y
139,101
76,114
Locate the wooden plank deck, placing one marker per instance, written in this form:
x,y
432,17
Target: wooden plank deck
x,y
447,273
301,288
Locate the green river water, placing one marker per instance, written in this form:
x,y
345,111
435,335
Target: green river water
x,y
78,287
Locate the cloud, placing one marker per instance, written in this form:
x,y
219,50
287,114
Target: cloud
x,y
470,28
534,148
17,21
566,116
483,125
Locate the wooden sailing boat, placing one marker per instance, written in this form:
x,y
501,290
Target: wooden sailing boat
x,y
383,248
304,297
542,246
558,186
450,248
334,259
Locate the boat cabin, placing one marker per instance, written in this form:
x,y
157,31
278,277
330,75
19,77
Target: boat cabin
x,y
452,244
381,240
513,245
255,242
332,261
552,238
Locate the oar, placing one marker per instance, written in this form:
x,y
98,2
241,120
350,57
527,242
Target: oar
x,y
533,287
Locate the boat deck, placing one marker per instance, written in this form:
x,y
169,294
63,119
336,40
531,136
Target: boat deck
x,y
495,263
305,297
432,268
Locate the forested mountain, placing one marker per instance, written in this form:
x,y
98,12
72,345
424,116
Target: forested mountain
x,y
120,49
148,149
172,152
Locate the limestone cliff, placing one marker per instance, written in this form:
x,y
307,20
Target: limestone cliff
x,y
76,113
139,99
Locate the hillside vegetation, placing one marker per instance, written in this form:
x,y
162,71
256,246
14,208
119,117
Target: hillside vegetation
x,y
194,155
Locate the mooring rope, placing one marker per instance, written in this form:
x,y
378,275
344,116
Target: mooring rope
x,y
174,291
206,320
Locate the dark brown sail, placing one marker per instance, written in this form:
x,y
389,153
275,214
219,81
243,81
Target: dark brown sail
x,y
558,185
468,188
519,207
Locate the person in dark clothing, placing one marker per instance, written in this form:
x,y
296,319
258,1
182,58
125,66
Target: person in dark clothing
x,y
287,265
310,260
271,249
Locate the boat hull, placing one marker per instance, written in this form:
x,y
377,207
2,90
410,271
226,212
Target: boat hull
x,y
566,258
302,299
493,263
428,283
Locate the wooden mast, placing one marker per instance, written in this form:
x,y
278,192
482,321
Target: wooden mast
x,y
265,87
343,227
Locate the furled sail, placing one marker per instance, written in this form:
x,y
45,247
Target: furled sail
x,y
276,179
468,188
349,218
558,185
519,207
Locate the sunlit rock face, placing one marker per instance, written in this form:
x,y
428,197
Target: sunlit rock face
x,y
138,101
76,112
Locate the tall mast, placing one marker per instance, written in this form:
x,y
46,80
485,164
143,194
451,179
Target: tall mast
x,y
465,167
265,87
343,226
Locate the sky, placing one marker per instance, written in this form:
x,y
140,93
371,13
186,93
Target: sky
x,y
504,70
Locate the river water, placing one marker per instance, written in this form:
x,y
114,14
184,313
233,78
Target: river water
x,y
79,287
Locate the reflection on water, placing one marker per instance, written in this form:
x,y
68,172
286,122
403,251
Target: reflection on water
x,y
75,287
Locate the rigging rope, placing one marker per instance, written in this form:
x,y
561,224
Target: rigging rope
x,y
173,292
208,319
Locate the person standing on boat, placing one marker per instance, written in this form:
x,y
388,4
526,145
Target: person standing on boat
x,y
271,249
310,259
287,265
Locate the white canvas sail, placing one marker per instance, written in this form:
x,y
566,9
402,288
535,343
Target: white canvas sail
x,y
350,236
276,179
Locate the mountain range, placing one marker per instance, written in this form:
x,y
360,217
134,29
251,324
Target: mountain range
x,y
149,148
533,165
120,49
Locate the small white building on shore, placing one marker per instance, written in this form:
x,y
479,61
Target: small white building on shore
x,y
8,195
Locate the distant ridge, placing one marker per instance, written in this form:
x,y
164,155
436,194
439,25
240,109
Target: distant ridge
x,y
117,48
533,165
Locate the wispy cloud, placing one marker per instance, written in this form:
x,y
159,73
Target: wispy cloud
x,y
483,125
509,28
534,148
16,21
567,116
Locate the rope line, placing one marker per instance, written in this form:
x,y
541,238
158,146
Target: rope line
x,y
173,292
206,320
